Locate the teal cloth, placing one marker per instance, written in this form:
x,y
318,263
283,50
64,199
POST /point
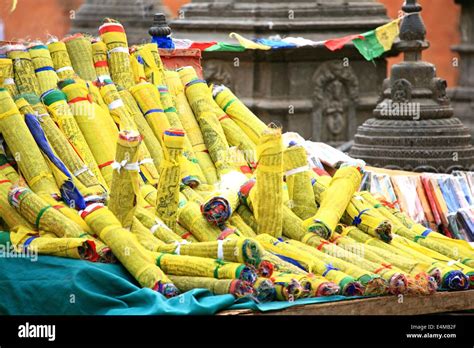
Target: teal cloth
x,y
49,285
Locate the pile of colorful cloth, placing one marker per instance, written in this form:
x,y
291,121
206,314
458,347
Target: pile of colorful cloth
x,y
107,156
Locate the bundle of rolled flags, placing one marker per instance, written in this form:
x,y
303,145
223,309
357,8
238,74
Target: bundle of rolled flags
x,y
107,156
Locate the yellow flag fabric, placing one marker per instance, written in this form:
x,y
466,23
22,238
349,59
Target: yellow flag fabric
x,y
386,34
248,44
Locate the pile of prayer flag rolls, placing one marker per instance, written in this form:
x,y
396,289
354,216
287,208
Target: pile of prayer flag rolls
x,y
106,156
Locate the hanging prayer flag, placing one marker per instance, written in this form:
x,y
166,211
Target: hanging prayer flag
x,y
378,41
248,44
336,44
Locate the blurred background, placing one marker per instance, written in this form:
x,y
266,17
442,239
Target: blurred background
x,y
53,17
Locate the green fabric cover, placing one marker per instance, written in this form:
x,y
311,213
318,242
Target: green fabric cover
x,y
59,286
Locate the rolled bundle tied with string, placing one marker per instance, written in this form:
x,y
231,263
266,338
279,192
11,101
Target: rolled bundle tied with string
x,y
150,142
320,185
365,217
59,110
45,243
116,106
246,214
22,144
348,284
321,286
267,196
264,290
235,287
195,175
113,35
298,179
239,223
136,65
148,99
185,234
167,198
399,258
374,284
79,49
200,99
334,201
452,275
181,265
152,64
99,57
406,227
242,250
144,236
24,71
191,218
6,76
9,214
90,188
92,127
305,283
61,61
128,250
153,144
239,163
43,215
191,126
7,170
288,288
125,180
234,134
156,226
397,279
43,65
239,113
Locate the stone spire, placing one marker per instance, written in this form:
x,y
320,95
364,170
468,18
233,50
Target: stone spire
x,y
135,15
413,126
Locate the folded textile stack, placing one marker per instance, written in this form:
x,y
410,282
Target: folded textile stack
x,y
108,157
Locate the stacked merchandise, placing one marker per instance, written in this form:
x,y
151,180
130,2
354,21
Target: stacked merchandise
x,y
108,157
440,202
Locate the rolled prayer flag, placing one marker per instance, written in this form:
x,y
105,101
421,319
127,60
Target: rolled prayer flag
x,y
334,201
61,61
235,287
79,49
44,70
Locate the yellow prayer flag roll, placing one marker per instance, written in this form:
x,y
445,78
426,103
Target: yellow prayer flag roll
x,y
128,250
99,56
200,98
61,146
61,61
43,64
46,243
59,110
79,49
152,143
125,180
153,66
239,113
144,236
191,218
156,226
334,201
349,286
43,215
235,287
148,99
92,126
6,76
24,72
268,196
22,144
8,213
168,187
203,267
298,179
138,70
191,126
113,34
